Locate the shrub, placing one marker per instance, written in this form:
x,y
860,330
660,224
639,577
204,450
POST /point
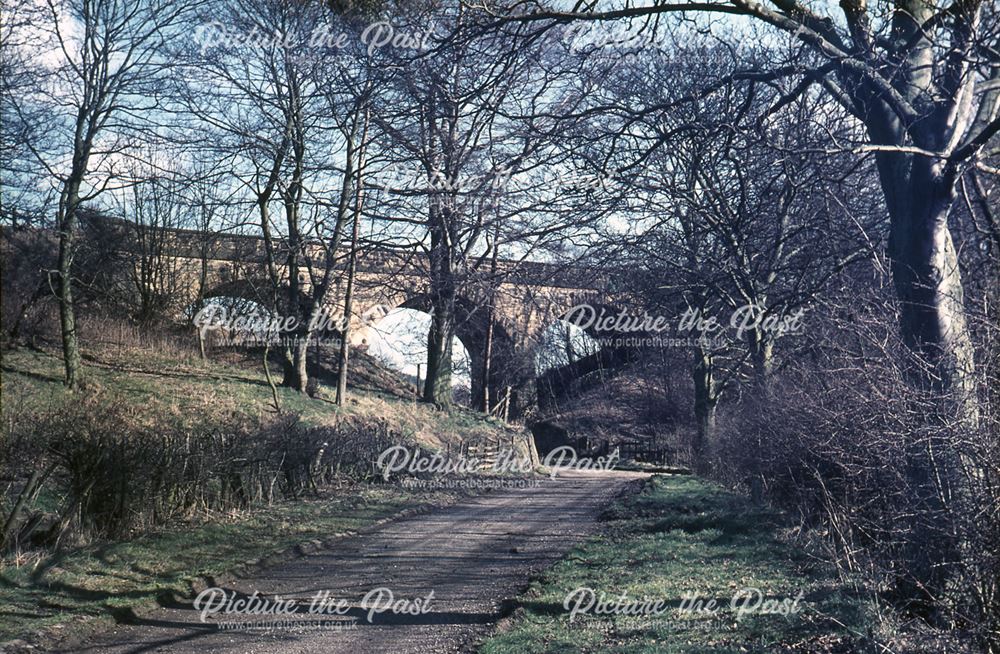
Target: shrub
x,y
904,492
117,476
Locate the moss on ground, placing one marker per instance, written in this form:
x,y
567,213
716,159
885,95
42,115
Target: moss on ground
x,y
680,539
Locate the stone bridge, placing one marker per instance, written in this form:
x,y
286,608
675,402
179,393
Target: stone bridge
x,y
527,298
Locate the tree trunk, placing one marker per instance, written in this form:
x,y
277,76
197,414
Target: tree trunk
x,y
263,198
67,316
483,399
345,345
490,317
437,388
199,302
927,280
359,201
705,402
761,357
270,380
296,370
299,379
919,193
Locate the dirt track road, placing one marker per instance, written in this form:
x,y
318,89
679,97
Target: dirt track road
x,y
473,555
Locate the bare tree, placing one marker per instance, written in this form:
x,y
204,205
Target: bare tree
x,y
924,80
359,193
471,117
22,124
106,62
279,113
734,210
153,211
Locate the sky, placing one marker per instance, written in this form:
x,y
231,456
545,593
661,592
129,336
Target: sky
x,y
400,341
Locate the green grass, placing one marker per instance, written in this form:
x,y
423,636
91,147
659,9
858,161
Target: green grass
x,y
684,537
161,390
101,579
164,390
177,391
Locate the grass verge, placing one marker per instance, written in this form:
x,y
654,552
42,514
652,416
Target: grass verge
x,y
40,589
686,542
104,579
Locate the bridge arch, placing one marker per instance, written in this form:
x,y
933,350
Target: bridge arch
x,y
601,350
253,290
397,337
258,290
490,385
587,314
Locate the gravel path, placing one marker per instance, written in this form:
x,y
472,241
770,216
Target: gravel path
x,y
473,555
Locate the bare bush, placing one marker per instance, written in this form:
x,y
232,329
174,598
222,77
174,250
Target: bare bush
x,y
117,476
902,491
27,258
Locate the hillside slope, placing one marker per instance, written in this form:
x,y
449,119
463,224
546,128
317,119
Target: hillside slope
x,y
181,451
